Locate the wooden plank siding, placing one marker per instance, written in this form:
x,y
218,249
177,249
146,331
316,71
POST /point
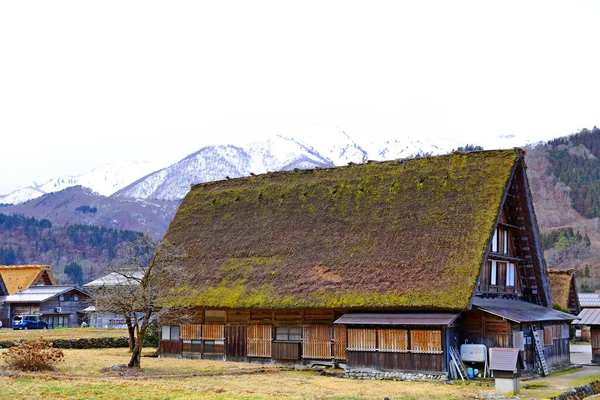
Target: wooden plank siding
x,y
170,347
213,332
250,334
287,351
191,331
393,340
259,340
479,327
595,337
362,339
316,342
237,342
339,342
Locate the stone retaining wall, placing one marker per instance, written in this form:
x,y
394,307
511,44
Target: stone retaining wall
x,y
579,392
395,376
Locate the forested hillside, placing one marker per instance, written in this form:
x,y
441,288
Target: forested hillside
x,y
564,175
26,240
575,162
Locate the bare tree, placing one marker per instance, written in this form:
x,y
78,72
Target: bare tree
x,y
137,289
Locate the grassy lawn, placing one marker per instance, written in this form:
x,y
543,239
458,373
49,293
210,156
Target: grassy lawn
x,y
81,376
61,333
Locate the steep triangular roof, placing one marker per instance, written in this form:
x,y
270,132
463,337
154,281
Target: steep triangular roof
x,y
399,234
20,277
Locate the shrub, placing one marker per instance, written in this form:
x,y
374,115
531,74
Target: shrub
x,y
151,336
32,356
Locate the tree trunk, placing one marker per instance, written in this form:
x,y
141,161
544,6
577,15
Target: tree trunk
x,y
136,354
131,331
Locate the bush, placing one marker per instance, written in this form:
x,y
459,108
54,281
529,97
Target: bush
x,y
151,336
32,356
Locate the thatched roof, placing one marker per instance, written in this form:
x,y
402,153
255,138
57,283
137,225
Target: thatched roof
x,y
21,277
562,285
402,234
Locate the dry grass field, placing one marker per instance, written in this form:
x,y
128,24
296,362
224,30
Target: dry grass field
x,y
82,376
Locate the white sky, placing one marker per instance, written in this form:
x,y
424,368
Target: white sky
x,y
87,83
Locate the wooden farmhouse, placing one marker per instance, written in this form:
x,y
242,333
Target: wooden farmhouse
x,y
377,266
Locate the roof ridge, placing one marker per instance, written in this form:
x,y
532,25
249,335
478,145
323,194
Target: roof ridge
x,y
519,151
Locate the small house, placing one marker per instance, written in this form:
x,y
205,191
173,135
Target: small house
x,y
381,266
15,278
59,306
98,318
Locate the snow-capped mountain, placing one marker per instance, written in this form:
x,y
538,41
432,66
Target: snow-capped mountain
x,y
213,163
104,180
323,147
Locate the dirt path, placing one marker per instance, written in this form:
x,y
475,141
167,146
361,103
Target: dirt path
x,y
581,355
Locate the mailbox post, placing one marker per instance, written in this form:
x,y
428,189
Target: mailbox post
x,y
507,366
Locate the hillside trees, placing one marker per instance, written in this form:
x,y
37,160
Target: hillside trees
x,y
575,161
25,240
75,273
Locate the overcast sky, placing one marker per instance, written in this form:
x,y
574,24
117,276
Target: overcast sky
x,y
87,83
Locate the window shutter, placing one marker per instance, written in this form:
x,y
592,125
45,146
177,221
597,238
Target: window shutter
x,y
362,339
259,340
393,340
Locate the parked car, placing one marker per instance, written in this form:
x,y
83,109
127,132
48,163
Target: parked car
x,y
28,322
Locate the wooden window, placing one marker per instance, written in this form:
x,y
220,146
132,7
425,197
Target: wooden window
x,y
213,332
362,339
288,333
564,331
339,342
259,340
500,241
493,273
214,346
192,346
191,331
518,340
426,341
556,334
547,336
510,275
393,340
495,241
316,341
170,332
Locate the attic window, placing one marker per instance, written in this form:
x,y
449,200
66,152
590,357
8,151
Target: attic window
x,y
500,241
510,274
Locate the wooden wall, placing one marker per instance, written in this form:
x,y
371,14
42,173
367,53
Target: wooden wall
x,y
476,326
595,336
251,335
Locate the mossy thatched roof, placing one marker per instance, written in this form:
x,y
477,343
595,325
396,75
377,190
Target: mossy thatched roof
x,y
562,286
402,234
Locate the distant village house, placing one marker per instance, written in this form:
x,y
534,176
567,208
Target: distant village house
x,y
32,289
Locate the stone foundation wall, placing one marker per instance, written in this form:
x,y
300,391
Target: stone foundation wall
x,y
579,392
395,376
